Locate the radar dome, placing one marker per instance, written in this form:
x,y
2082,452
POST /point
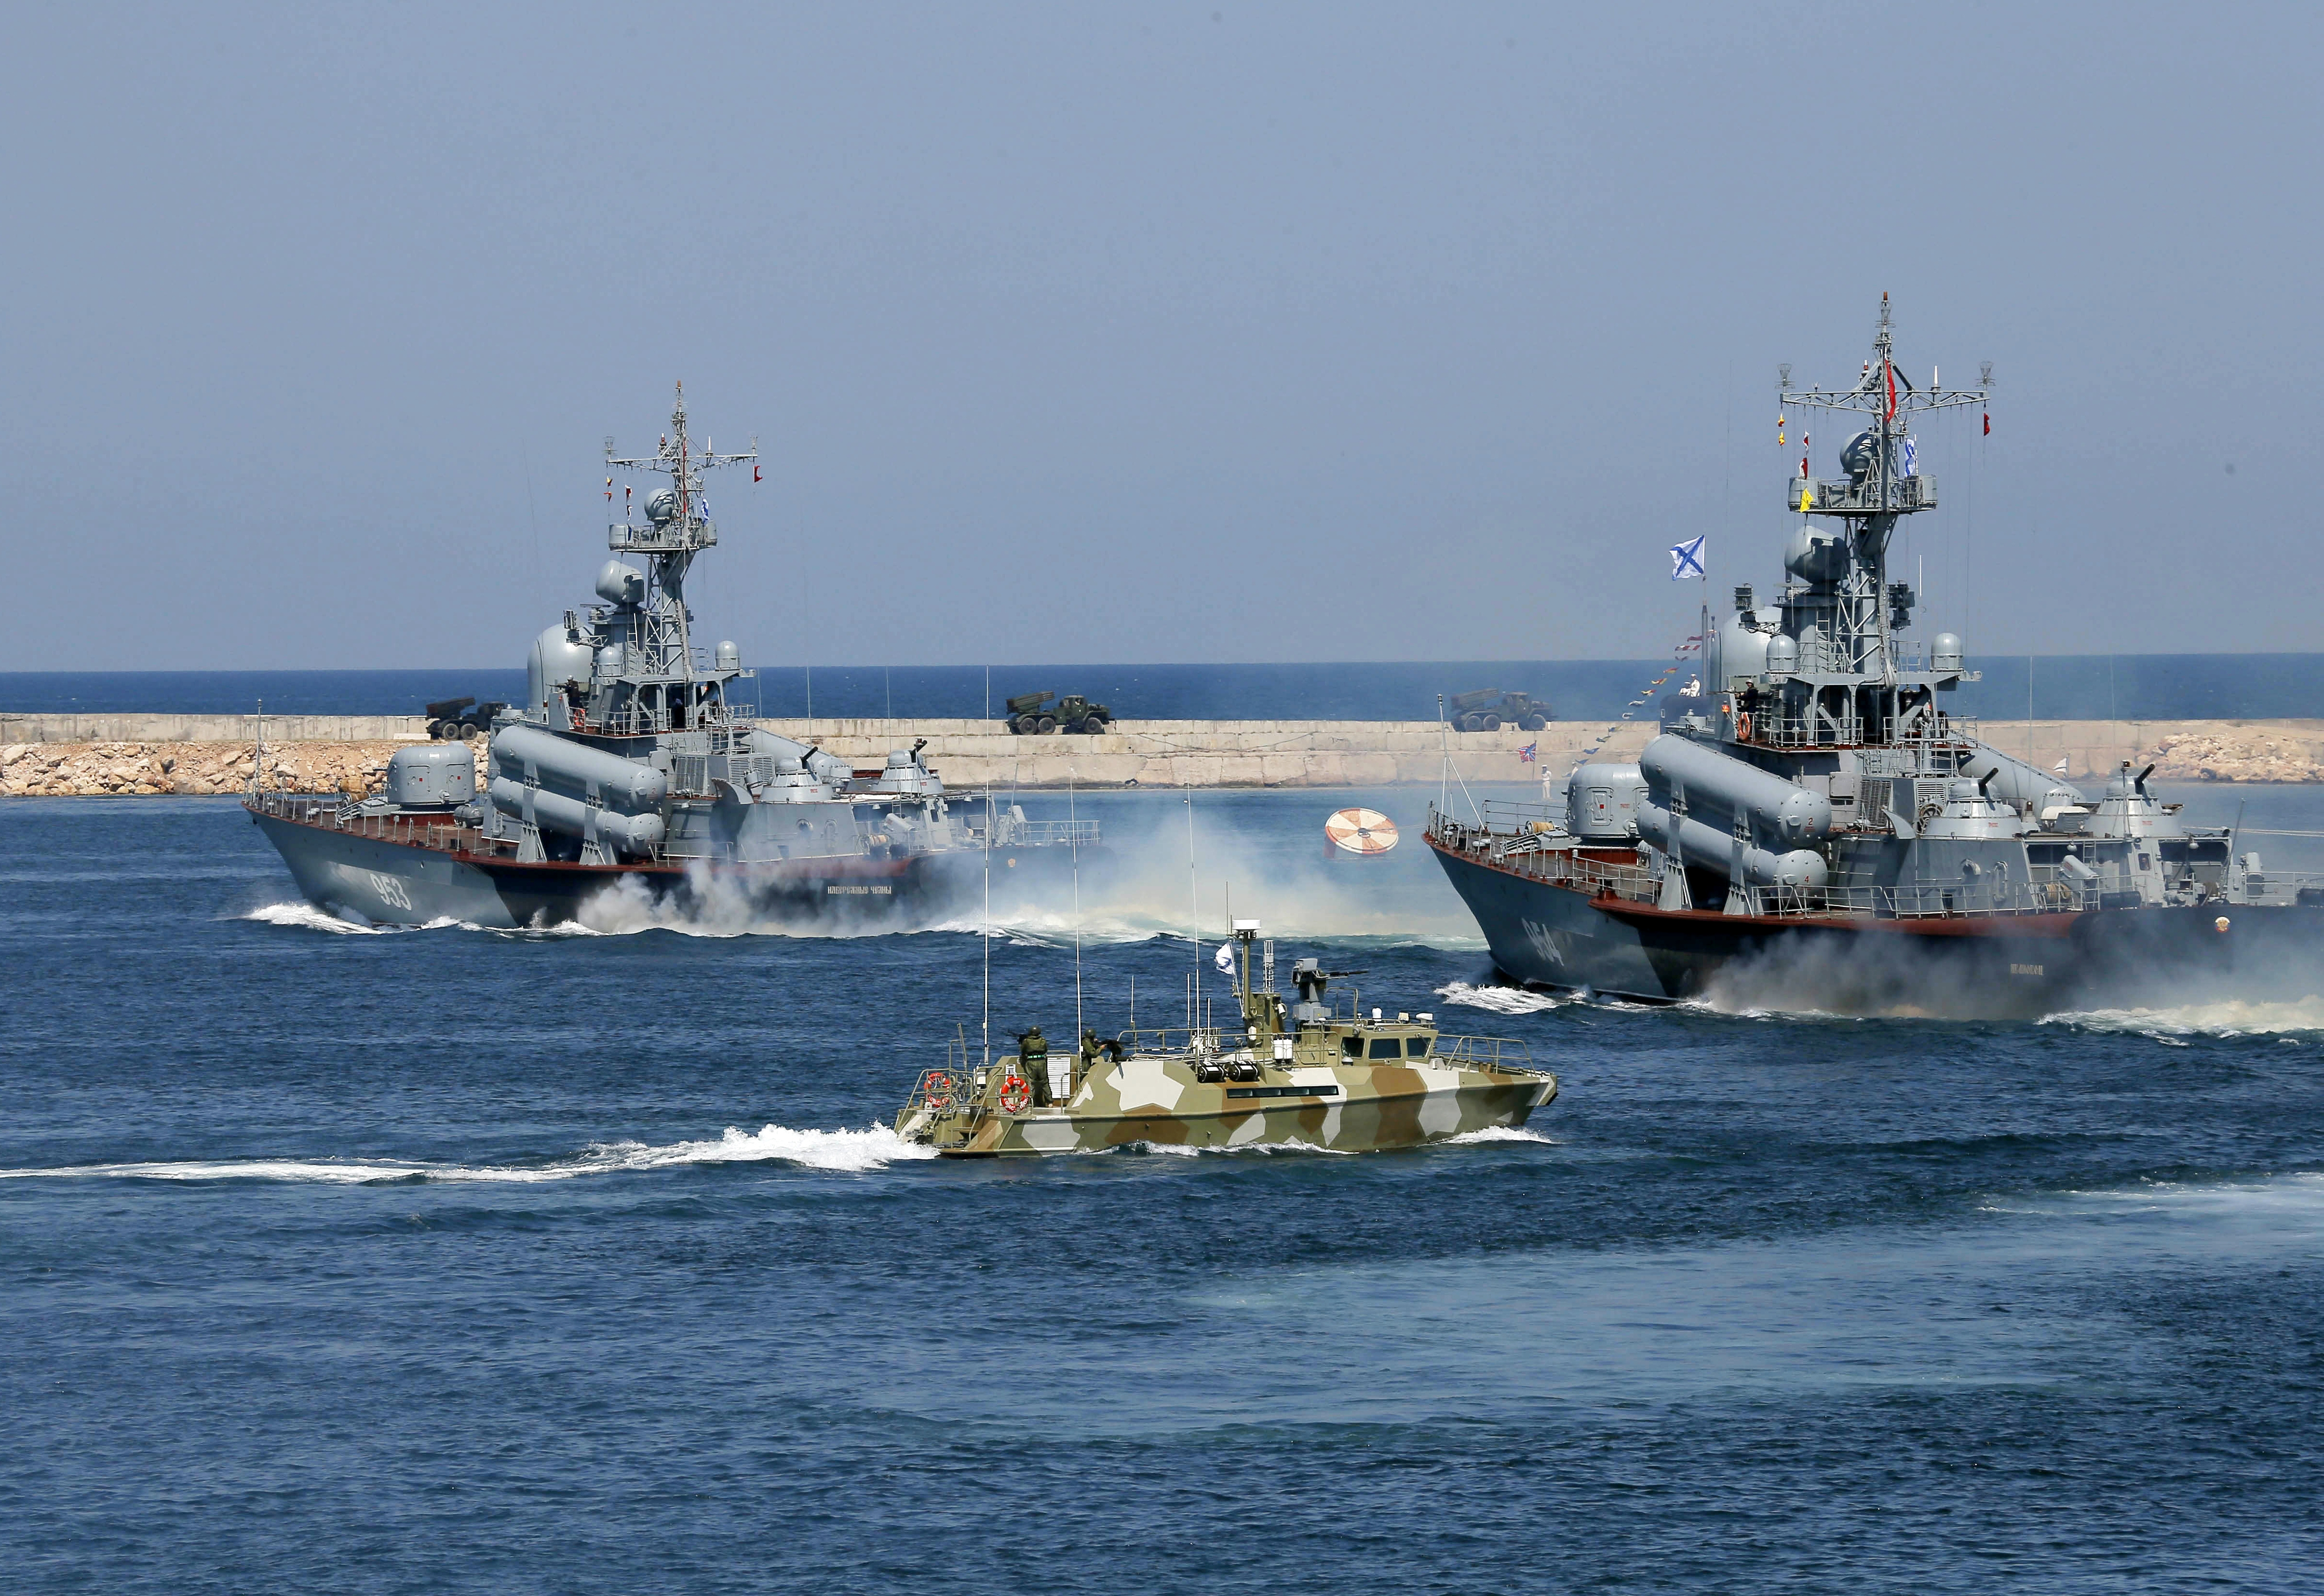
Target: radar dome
x,y
1945,652
618,583
729,657
1856,456
661,506
1816,555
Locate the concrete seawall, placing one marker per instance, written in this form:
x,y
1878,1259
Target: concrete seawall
x,y
60,755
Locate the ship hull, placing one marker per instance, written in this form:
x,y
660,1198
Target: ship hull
x,y
1408,1114
382,881
1998,967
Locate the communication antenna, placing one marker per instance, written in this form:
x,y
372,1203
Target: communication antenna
x,y
984,929
1074,849
672,543
1193,906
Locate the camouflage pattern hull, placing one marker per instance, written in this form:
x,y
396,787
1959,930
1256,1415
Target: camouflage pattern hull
x,y
1164,1101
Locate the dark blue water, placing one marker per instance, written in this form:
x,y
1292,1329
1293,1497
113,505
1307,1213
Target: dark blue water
x,y
2145,687
427,1261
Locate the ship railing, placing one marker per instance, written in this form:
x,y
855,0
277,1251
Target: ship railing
x,y
1008,832
1170,1041
1931,734
444,831
1833,497
1498,1054
732,719
1543,856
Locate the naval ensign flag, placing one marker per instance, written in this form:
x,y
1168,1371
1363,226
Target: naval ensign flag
x,y
1686,560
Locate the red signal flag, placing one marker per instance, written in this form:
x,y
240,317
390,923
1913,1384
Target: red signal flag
x,y
755,474
1988,423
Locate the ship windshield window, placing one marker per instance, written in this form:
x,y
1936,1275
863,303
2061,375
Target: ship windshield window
x,y
1353,1046
1416,1047
1388,1048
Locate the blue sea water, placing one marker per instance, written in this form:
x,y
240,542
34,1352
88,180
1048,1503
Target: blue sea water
x,y
460,1260
2126,687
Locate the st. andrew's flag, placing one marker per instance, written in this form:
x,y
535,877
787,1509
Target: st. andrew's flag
x,y
1686,560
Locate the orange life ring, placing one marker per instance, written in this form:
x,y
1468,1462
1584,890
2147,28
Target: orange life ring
x,y
936,1088
1016,1093
576,718
1743,727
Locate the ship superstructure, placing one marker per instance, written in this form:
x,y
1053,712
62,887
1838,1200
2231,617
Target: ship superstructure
x,y
633,759
1819,798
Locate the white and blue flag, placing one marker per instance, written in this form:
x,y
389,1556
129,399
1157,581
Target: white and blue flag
x,y
1911,467
1686,560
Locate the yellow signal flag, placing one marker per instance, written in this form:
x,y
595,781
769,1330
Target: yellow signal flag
x,y
1807,495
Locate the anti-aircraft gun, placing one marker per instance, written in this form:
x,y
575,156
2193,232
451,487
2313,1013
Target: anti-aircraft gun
x,y
1031,715
1488,709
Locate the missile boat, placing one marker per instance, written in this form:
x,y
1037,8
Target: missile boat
x,y
1294,1074
1818,829
633,766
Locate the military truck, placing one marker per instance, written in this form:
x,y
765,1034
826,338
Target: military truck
x,y
1488,709
1030,715
456,720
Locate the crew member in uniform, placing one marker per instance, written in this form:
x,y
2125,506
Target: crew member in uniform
x,y
1033,1059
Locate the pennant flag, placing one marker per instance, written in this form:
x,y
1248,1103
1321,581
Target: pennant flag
x,y
1686,560
1524,754
1890,372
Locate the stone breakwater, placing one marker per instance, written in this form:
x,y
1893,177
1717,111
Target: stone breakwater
x,y
145,769
313,755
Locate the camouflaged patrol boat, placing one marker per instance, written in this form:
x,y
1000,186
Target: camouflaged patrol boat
x,y
1297,1076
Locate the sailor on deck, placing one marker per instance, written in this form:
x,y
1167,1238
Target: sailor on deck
x,y
1033,1059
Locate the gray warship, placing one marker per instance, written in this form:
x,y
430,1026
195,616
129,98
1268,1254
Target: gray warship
x,y
1817,828
633,766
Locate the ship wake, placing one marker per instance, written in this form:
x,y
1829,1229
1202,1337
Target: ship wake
x,y
842,1151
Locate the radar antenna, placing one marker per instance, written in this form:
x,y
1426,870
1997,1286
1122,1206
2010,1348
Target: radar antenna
x,y
678,528
1883,482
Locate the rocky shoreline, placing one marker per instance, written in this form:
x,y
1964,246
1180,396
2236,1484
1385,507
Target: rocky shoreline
x,y
155,769
1227,753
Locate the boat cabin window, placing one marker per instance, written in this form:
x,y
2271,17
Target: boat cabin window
x,y
1353,1046
1388,1048
1416,1047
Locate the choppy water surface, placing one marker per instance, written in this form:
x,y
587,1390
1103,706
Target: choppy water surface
x,y
452,1260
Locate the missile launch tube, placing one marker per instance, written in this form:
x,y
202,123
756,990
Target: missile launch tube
x,y
1718,787
621,784
553,811
1705,849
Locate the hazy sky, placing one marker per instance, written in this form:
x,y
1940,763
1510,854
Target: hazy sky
x,y
1120,333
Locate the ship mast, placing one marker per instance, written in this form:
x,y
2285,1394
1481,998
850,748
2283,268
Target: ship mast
x,y
1858,609
660,637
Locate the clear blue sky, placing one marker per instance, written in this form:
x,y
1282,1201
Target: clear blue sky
x,y
1102,333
